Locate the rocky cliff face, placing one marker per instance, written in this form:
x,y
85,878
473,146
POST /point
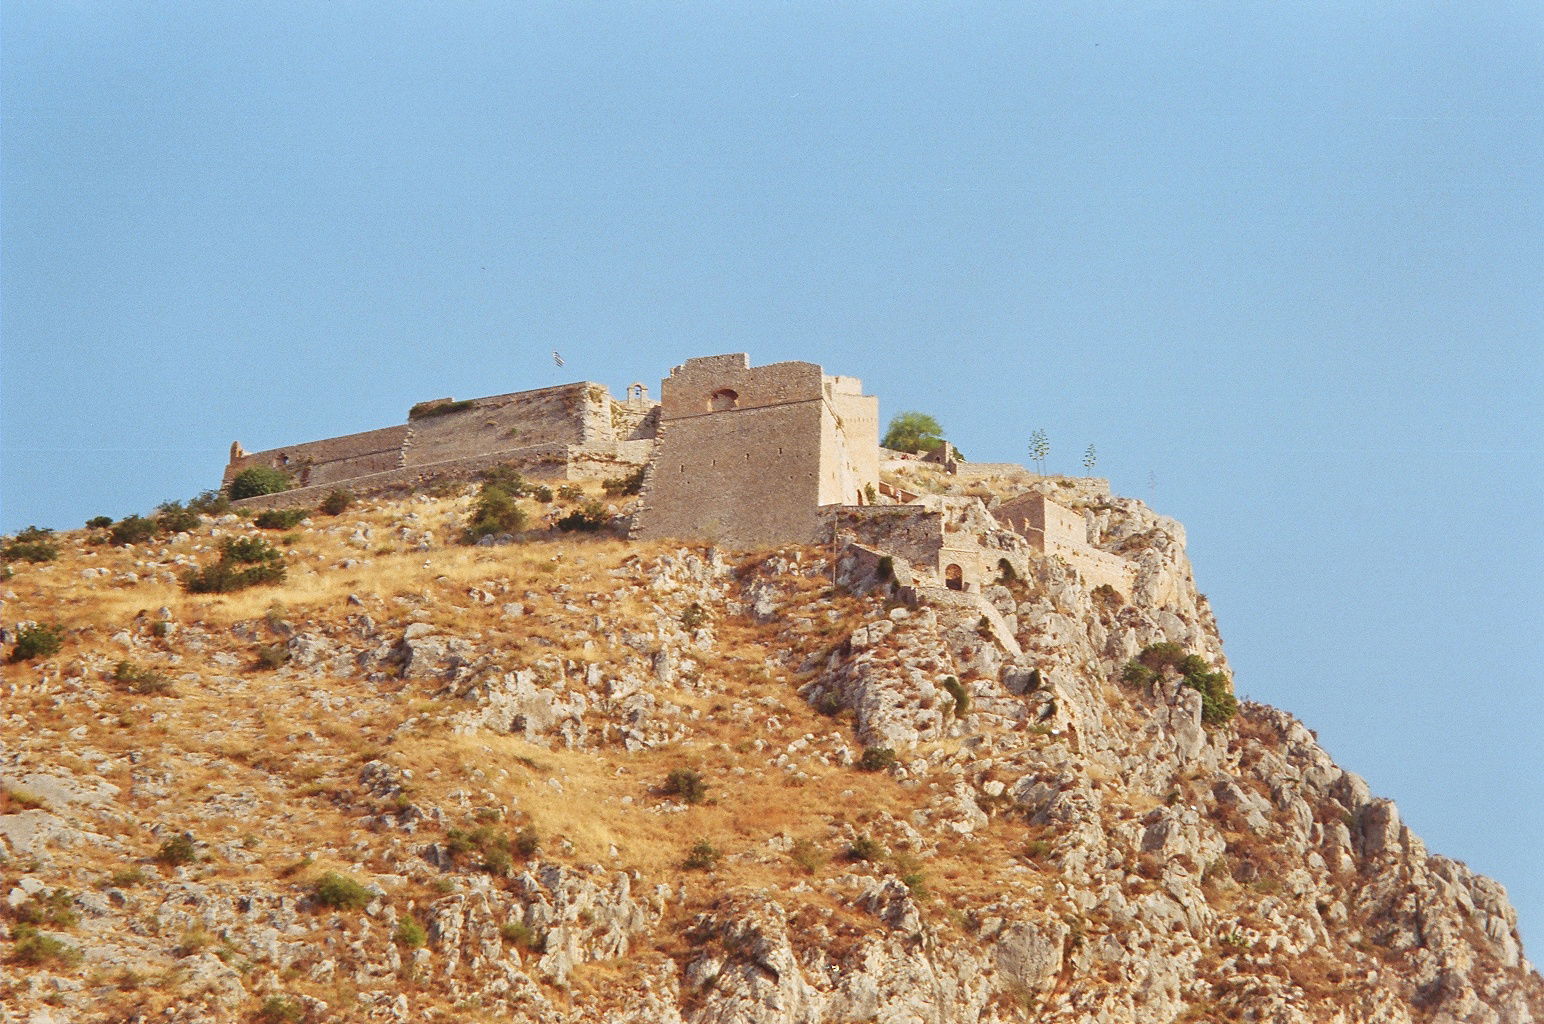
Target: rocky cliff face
x,y
596,782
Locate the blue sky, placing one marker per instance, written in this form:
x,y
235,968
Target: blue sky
x,y
1280,262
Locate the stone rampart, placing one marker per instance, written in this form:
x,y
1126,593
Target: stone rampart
x,y
747,456
331,460
571,431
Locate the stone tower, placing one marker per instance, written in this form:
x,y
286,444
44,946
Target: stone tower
x,y
748,455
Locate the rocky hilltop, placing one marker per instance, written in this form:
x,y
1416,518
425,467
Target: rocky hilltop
x,y
577,780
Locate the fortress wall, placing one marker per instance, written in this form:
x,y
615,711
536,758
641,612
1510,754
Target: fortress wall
x,y
541,462
905,531
1098,567
567,414
690,388
850,434
747,477
632,421
981,470
331,460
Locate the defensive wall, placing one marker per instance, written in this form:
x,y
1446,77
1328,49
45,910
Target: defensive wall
x,y
571,431
748,456
1056,530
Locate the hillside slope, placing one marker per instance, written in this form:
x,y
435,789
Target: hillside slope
x,y
575,780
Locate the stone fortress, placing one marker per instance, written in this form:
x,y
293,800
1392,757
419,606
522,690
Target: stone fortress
x,y
734,454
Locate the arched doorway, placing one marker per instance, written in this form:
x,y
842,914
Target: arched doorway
x,y
954,577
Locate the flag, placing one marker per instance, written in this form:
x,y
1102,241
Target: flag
x,y
557,359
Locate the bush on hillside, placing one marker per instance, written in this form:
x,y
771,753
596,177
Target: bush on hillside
x,y
279,518
171,517
340,892
587,518
133,530
99,522
210,503
244,562
497,511
336,503
1218,704
632,483
34,544
257,480
687,784
39,640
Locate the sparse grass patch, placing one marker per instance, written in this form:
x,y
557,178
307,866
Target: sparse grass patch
x,y
34,949
143,681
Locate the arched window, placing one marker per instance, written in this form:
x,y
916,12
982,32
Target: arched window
x,y
954,577
724,398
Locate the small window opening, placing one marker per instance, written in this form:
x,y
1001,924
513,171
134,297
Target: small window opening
x,y
954,577
724,398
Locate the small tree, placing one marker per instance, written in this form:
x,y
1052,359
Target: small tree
x,y
256,480
1039,449
1090,458
913,432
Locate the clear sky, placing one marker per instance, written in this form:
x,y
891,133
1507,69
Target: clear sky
x,y
1280,262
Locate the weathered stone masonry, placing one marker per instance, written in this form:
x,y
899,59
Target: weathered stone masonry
x,y
748,456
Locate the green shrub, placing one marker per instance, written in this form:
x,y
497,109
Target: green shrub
x,y
272,656
506,478
703,856
527,842
424,410
1218,704
632,483
336,503
687,784
518,933
279,518
410,933
865,848
99,522
570,492
56,908
1162,655
144,681
257,480
497,511
133,530
876,759
340,892
1136,674
39,640
244,562
960,694
33,949
34,544
123,878
210,503
542,493
885,570
280,1010
694,617
178,850
587,518
171,517
494,848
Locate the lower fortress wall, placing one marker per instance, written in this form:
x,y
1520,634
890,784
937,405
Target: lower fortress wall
x,y
744,478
